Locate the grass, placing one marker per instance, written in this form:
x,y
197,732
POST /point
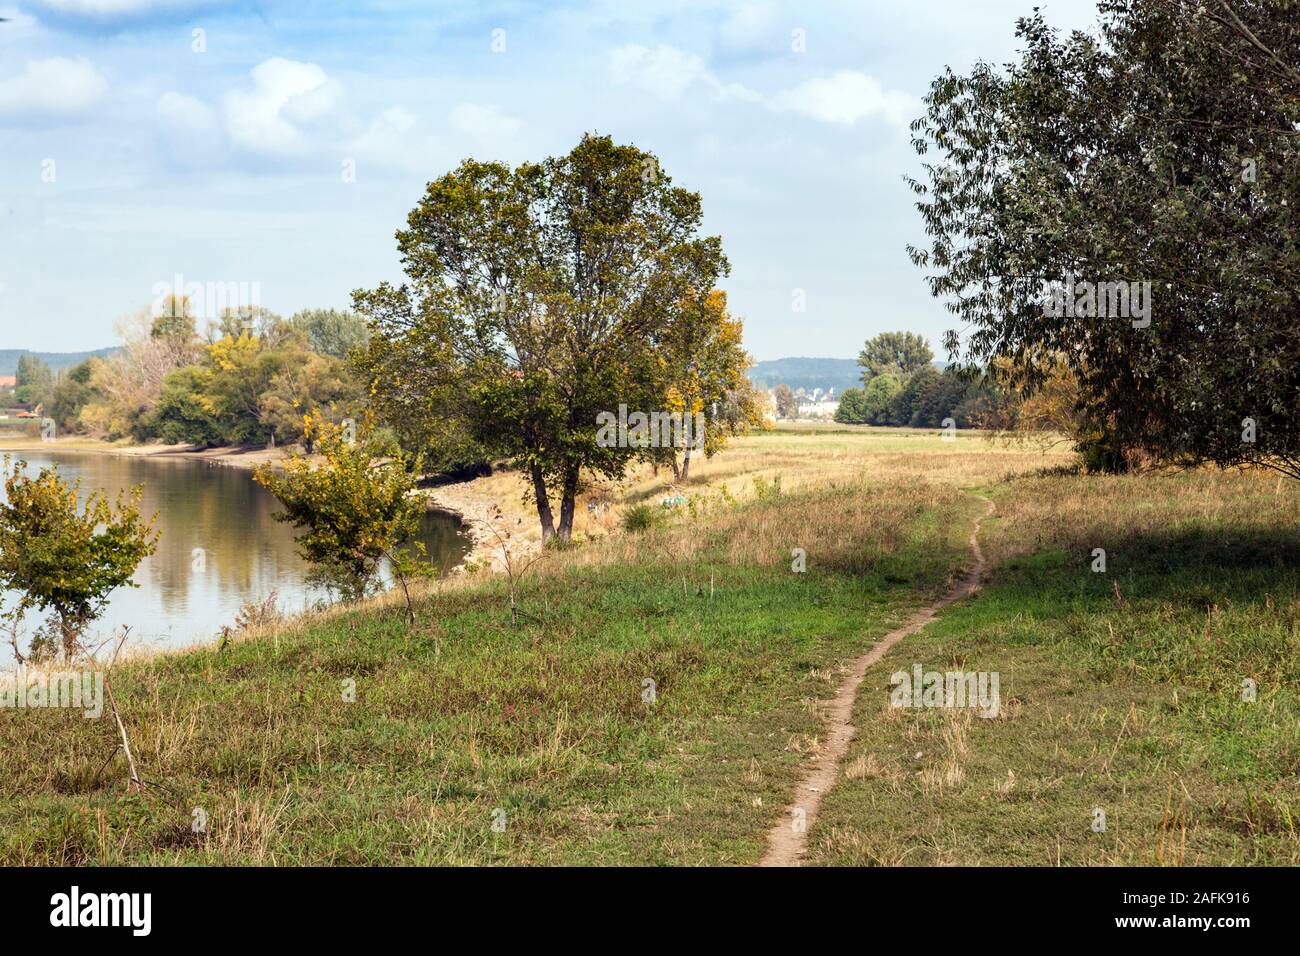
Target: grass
x,y
463,714
1122,691
664,688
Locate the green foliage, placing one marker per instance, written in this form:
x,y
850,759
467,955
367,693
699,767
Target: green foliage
x,y
63,556
878,398
1159,151
904,408
34,381
699,371
310,384
641,517
183,414
331,332
536,297
252,389
356,511
897,353
73,390
32,371
930,396
174,321
852,409
767,489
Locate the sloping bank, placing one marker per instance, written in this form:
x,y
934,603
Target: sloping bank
x,y
654,703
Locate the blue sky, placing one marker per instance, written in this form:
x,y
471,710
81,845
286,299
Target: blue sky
x,y
133,149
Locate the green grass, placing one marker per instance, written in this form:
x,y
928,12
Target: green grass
x,y
1121,690
464,714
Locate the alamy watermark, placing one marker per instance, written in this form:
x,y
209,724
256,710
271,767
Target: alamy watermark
x,y
657,429
26,689
1098,300
951,689
206,300
130,910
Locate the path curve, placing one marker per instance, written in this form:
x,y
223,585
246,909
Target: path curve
x,y
786,844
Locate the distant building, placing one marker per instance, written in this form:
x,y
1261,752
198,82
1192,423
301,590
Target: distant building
x,y
7,382
823,409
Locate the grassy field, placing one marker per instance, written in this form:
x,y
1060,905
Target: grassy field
x,y
1121,690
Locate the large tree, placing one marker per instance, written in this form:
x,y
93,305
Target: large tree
x,y
331,332
535,295
894,353
1160,154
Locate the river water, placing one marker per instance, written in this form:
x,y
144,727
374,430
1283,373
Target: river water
x,y
219,549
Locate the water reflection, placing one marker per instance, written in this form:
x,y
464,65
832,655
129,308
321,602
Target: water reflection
x,y
219,548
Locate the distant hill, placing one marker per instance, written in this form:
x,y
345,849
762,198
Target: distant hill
x,y
807,373
55,360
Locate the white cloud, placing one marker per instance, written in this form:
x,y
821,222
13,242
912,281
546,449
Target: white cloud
x,y
751,25
395,118
285,96
185,115
189,129
664,71
391,139
846,97
52,88
484,121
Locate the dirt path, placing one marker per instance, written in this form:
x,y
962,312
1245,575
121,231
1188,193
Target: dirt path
x,y
787,841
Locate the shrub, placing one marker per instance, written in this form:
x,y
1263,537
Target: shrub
x,y
765,490
852,409
641,517
65,558
356,510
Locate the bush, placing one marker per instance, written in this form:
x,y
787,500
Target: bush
x,y
852,409
356,510
641,517
765,490
62,554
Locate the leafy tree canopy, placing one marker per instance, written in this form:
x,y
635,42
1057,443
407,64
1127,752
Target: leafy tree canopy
x,y
536,294
897,353
1157,158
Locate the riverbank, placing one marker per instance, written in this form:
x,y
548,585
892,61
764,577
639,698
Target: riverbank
x,y
232,456
471,505
658,695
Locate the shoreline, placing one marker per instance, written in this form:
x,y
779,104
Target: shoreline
x,y
472,508
231,456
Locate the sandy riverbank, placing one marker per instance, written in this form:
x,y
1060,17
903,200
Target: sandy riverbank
x,y
232,455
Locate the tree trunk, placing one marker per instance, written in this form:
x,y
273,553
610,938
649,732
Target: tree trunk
x,y
567,503
69,639
686,463
543,504
677,469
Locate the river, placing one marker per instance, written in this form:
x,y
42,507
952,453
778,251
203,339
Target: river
x,y
219,548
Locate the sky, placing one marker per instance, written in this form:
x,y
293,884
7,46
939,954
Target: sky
x,y
281,145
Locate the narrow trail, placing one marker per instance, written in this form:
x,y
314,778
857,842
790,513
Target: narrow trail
x,y
786,843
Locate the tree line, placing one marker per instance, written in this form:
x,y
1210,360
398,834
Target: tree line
x,y
902,387
250,377
538,298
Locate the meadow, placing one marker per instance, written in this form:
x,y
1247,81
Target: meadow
x,y
662,689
